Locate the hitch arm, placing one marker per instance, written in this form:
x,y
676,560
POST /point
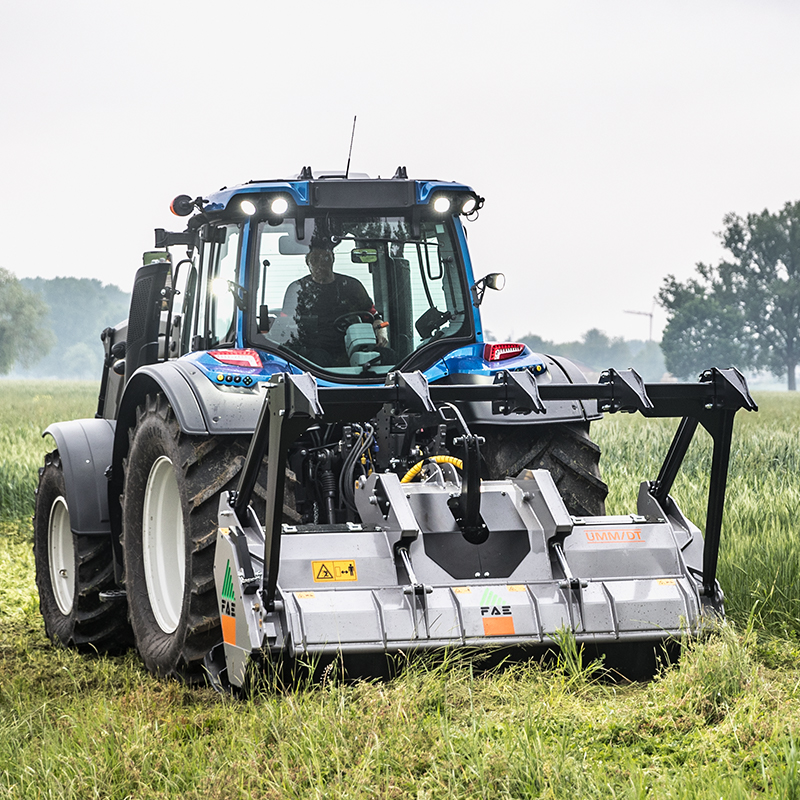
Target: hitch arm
x,y
722,394
466,507
290,406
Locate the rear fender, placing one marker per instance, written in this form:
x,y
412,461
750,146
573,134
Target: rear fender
x,y
201,407
85,447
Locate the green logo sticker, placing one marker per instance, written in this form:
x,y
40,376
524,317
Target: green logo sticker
x,y
489,598
227,584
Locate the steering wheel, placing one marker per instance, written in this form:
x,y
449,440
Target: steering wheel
x,y
344,321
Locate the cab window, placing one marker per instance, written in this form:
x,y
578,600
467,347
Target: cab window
x,y
356,295
209,307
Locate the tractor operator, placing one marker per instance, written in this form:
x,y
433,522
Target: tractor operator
x,y
316,301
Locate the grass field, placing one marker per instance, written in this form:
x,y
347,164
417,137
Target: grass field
x,y
723,722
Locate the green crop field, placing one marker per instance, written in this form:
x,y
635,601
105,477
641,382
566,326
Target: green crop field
x,y
724,722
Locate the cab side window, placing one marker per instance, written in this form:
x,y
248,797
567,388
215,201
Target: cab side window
x,y
209,308
222,287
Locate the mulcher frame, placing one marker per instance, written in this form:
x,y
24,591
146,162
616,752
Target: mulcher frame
x,y
294,402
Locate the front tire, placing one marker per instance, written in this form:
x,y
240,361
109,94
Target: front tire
x,y
170,503
71,572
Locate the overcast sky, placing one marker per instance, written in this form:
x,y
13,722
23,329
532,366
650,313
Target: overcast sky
x,y
608,137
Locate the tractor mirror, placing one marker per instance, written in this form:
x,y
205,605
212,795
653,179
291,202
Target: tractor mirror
x,y
289,246
364,255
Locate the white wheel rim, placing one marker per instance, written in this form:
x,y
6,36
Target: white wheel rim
x,y
164,545
62,555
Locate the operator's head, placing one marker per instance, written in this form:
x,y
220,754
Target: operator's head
x,y
320,259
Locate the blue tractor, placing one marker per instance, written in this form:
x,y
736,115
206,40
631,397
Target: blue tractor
x,y
305,445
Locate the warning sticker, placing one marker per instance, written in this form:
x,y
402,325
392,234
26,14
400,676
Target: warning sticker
x,y
498,626
665,582
228,628
462,590
332,571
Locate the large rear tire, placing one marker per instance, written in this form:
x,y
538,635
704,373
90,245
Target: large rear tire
x,y
71,572
565,450
170,503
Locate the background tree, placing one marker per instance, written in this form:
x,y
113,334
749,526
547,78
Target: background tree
x,y
23,331
766,275
707,327
746,310
78,310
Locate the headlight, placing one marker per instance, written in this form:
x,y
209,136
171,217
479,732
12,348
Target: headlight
x,y
470,204
279,206
441,204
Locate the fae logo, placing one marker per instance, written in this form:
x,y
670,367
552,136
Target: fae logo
x,y
228,607
497,617
615,536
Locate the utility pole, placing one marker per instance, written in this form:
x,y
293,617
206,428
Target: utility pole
x,y
645,314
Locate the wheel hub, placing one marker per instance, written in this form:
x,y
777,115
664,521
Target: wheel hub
x,y
62,555
164,545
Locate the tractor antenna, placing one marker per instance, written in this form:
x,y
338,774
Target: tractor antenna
x,y
352,135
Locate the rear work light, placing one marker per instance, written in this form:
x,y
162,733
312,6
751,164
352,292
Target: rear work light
x,y
237,358
500,351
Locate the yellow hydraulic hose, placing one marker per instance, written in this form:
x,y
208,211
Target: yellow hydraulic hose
x,y
414,471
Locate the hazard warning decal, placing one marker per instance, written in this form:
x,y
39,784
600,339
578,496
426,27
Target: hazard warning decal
x,y
334,571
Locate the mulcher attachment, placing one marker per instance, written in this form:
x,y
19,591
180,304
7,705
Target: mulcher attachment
x,y
451,562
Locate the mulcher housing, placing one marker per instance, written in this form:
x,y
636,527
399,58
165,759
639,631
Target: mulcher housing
x,y
409,577
267,478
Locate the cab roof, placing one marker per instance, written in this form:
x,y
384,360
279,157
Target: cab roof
x,y
336,190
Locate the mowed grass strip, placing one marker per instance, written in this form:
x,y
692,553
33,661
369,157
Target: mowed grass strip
x,y
723,722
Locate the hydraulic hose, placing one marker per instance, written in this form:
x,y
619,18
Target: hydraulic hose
x,y
414,471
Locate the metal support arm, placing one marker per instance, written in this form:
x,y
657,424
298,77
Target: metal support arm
x,y
293,403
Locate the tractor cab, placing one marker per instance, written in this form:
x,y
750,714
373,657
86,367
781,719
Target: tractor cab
x,y
346,278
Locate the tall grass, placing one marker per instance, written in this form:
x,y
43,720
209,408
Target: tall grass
x,y
26,409
759,566
723,722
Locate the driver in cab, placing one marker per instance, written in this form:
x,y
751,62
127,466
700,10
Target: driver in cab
x,y
316,301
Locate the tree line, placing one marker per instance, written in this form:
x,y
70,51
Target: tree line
x,y
50,328
745,310
742,312
596,351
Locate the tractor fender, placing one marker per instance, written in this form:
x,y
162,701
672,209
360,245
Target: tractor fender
x,y
573,374
85,447
163,378
200,407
